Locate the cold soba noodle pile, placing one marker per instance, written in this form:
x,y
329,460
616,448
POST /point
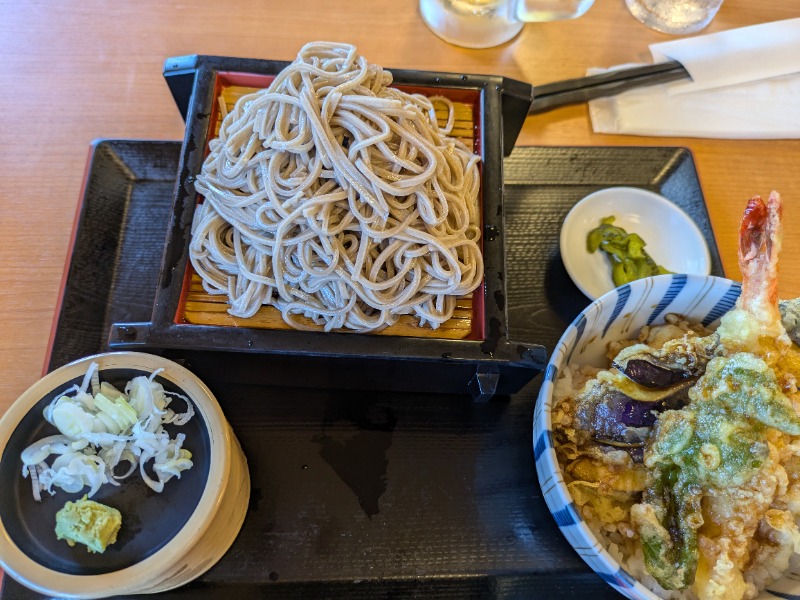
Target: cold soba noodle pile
x,y
333,196
684,455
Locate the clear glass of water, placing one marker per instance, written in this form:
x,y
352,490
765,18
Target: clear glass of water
x,y
674,16
486,23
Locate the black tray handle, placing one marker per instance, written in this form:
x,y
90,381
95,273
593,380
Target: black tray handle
x,y
179,73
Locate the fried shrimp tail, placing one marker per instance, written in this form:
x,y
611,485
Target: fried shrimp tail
x,y
756,318
759,246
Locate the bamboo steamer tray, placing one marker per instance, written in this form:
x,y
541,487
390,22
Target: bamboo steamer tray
x,y
203,308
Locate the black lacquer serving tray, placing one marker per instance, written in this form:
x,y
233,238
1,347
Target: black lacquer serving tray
x,y
362,487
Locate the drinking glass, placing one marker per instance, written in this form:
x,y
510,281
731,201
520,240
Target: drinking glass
x,y
674,16
486,23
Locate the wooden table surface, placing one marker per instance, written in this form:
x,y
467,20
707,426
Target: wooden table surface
x,y
76,71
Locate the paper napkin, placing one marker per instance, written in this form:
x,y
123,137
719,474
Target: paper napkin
x,y
745,84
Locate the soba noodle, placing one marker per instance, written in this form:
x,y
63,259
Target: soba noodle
x,y
333,196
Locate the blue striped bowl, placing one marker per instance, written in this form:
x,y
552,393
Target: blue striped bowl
x,y
619,315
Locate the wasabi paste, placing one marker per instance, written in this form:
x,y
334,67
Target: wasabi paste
x,y
88,522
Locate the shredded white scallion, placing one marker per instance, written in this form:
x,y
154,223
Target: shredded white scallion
x,y
105,427
35,482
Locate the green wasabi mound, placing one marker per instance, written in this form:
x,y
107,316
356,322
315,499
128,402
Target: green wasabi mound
x,y
88,522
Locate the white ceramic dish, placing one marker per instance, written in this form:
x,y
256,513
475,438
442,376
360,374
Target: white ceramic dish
x,y
172,537
672,237
619,315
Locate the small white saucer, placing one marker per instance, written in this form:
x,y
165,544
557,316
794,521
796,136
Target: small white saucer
x,y
672,239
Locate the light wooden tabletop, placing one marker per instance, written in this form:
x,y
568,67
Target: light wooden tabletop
x,y
76,71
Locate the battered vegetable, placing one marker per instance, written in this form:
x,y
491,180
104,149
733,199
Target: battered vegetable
x,y
718,441
716,514
625,251
88,522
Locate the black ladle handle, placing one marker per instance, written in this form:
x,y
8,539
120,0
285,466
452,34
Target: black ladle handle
x,y
582,89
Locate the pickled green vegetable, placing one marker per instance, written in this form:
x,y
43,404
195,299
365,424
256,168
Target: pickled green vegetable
x,y
625,251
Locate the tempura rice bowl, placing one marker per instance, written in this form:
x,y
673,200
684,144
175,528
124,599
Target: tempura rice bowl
x,y
616,316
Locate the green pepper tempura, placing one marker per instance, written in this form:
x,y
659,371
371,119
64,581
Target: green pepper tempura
x,y
625,251
718,441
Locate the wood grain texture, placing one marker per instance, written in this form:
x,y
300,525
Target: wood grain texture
x,y
92,69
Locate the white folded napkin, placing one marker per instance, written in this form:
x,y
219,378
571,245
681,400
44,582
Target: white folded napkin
x,y
745,84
